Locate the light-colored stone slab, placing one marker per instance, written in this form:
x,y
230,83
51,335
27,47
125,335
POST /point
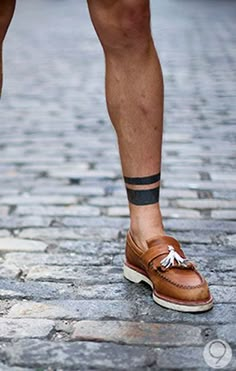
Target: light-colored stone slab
x,y
20,244
24,327
9,270
84,275
39,310
28,199
224,214
4,233
137,333
180,213
69,233
207,204
70,210
4,211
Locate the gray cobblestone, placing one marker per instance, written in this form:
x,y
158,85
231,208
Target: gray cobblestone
x,y
28,199
224,214
4,367
4,210
72,190
12,221
9,271
51,234
81,355
180,213
207,204
75,273
34,290
27,259
69,210
144,310
20,244
4,233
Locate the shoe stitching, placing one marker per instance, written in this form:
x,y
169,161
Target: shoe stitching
x,y
178,284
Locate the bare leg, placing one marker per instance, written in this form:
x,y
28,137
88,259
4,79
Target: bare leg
x,y
134,93
6,12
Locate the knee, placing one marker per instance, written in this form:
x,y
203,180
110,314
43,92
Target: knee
x,y
123,23
134,17
7,10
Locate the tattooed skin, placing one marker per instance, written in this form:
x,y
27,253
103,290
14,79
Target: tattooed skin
x,y
143,190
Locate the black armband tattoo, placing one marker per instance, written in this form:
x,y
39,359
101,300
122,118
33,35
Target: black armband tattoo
x,y
143,196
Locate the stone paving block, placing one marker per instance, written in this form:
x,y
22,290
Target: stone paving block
x,y
212,250
20,244
83,173
73,309
15,221
179,176
27,259
140,309
227,333
118,211
109,291
5,305
35,290
118,222
69,171
231,239
223,175
34,199
220,314
75,190
4,210
90,247
180,213
4,233
84,275
224,214
226,195
200,225
200,185
72,234
8,191
4,367
81,355
207,204
77,355
9,270
126,332
23,327
220,277
108,201
70,210
177,193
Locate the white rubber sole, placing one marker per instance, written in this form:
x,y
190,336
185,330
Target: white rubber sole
x,y
136,277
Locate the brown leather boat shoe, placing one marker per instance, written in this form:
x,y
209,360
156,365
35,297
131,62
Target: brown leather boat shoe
x,y
175,280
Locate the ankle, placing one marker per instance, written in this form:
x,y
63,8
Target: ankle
x,y
145,223
141,237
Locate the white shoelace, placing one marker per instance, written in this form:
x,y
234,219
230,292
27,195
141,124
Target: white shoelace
x,y
169,260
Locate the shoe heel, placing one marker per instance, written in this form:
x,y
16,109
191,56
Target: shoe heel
x,y
132,275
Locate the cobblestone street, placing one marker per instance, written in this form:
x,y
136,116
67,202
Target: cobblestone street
x,y
64,304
